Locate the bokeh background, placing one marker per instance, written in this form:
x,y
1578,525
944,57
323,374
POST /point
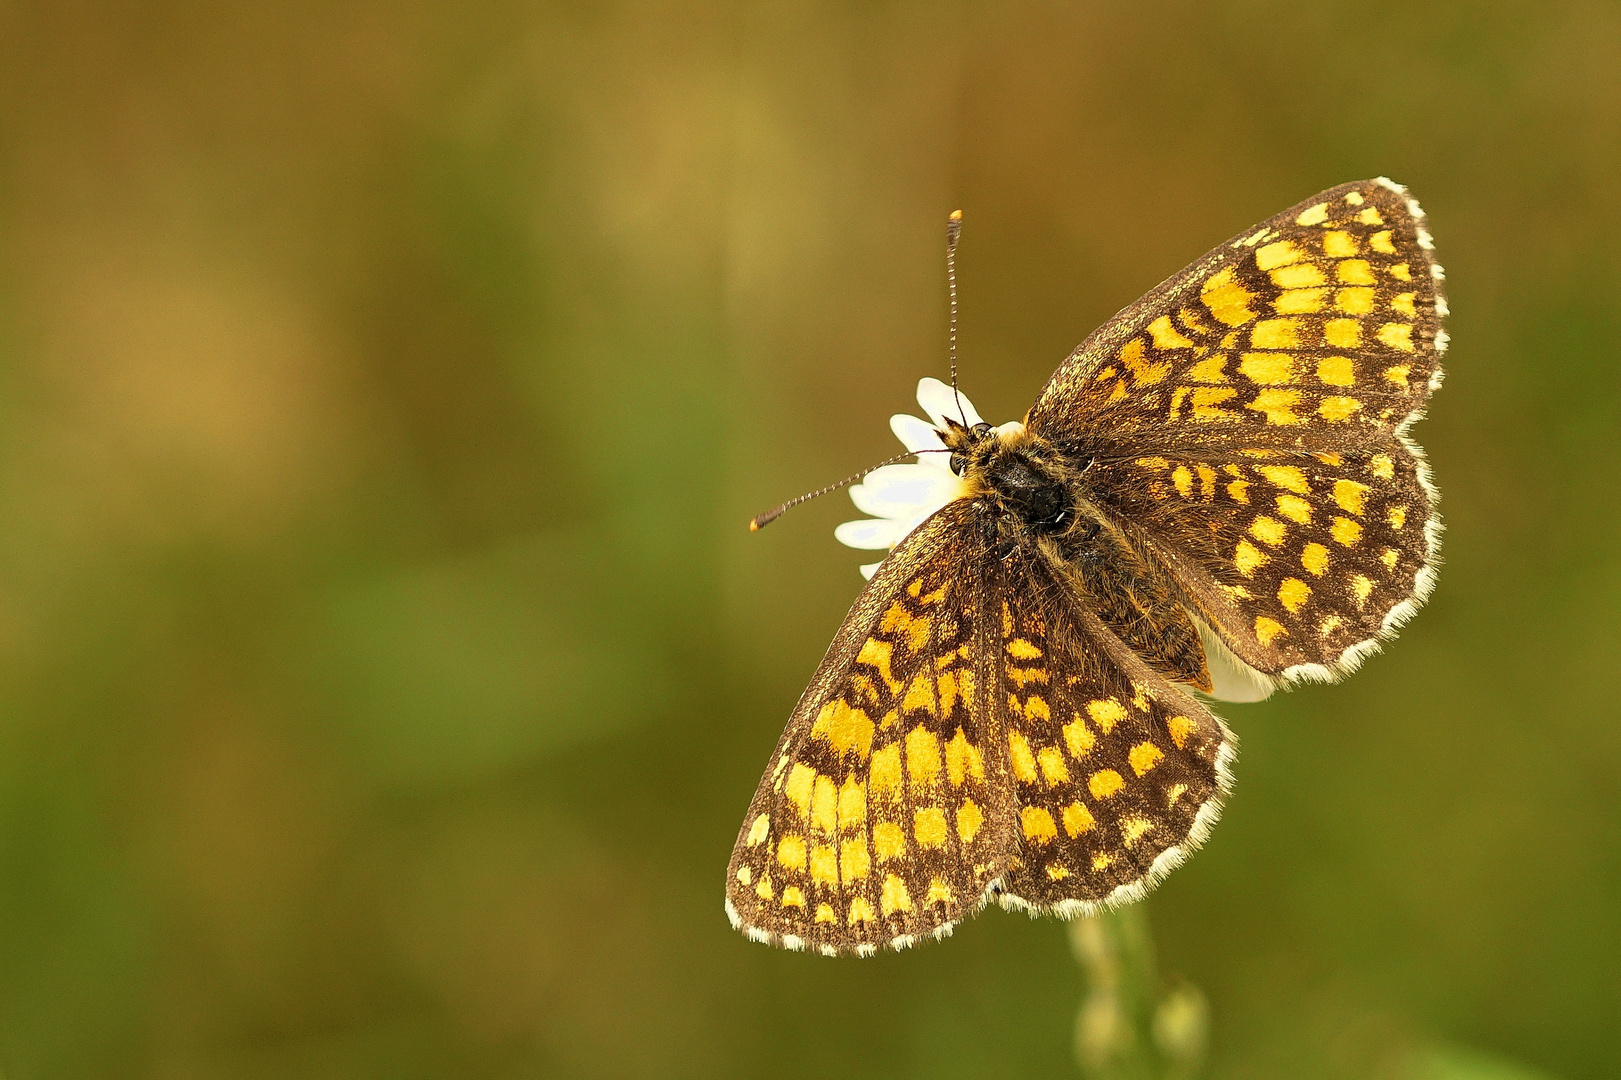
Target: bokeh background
x,y
384,665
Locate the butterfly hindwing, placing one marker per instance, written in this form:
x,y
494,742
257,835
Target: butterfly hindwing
x,y
1116,775
1300,562
885,812
1317,329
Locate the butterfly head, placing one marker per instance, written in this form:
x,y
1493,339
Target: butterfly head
x,y
1017,475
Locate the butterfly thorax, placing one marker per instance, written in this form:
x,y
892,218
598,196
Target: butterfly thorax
x,y
1025,487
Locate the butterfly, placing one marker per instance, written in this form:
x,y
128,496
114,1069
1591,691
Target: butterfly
x,y
1215,495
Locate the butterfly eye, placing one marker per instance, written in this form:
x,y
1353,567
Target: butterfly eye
x,y
959,462
981,430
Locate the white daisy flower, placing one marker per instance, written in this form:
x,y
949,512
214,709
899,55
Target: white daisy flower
x,y
902,497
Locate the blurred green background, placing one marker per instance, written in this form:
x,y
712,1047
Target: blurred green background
x,y
384,665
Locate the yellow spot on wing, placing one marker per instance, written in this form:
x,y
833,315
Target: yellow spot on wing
x,y
1398,375
1101,861
1401,273
1247,557
759,830
1267,367
1339,370
1295,509
1288,477
1397,516
854,862
1354,272
1314,557
885,776
963,759
824,865
1133,828
1239,491
1341,334
1078,737
1278,405
939,892
1339,245
929,826
1275,334
1052,766
1403,303
1038,825
801,780
1227,300
1104,783
1335,409
1350,495
825,914
1370,216
1166,336
852,804
1144,756
922,758
1209,371
1293,594
1398,336
1106,713
1058,873
1313,215
877,654
793,896
1299,276
888,840
1345,531
1381,466
1354,301
969,818
791,852
846,730
1361,587
1182,477
745,875
1266,629
825,805
1077,819
1020,759
1389,558
1134,357
895,897
1281,253
1380,241
1299,301
764,890
1206,400
1180,728
860,911
1023,650
1268,530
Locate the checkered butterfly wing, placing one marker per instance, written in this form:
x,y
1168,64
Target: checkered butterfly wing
x,y
885,815
1246,421
1117,775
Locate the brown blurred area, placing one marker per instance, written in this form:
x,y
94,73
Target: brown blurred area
x,y
384,664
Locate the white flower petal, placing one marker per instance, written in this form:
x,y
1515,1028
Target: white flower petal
x,y
940,401
869,569
903,491
915,435
873,534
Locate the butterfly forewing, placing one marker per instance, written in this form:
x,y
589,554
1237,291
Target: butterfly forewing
x,y
1318,329
1116,775
885,813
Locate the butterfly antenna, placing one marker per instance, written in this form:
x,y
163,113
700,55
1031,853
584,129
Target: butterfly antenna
x,y
954,230
760,521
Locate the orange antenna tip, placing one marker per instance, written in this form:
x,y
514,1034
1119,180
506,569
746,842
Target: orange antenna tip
x,y
956,215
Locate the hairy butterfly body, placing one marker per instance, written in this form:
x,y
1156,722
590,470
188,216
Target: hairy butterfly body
x,y
1214,493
